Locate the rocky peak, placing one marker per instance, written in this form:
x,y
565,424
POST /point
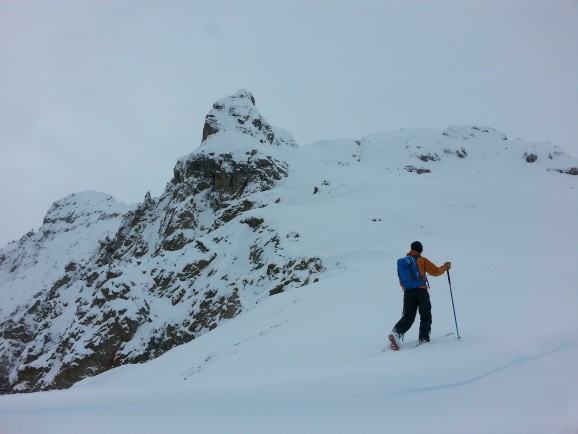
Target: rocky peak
x,y
238,113
87,215
81,210
159,274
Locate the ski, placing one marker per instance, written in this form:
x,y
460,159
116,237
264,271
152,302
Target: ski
x,y
433,340
395,347
393,343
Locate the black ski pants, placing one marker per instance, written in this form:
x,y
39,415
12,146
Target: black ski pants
x,y
414,300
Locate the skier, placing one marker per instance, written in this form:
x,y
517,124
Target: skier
x,y
418,298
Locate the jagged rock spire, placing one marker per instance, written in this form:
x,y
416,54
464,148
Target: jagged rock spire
x,y
238,113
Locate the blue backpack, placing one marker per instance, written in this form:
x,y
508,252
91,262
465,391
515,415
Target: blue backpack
x,y
408,273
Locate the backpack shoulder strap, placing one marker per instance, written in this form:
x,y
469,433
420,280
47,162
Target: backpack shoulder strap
x,y
415,258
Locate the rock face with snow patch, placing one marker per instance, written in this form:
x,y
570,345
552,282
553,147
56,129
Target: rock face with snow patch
x,y
33,269
238,113
174,268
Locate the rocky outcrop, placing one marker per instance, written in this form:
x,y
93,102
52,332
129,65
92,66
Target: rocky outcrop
x,y
173,269
36,270
239,113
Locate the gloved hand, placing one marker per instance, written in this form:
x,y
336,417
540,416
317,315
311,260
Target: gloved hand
x,y
448,265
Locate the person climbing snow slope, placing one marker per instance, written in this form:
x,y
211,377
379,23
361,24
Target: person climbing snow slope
x,y
415,294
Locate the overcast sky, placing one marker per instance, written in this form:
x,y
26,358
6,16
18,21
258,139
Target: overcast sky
x,y
107,95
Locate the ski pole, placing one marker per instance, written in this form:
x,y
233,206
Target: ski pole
x,y
453,306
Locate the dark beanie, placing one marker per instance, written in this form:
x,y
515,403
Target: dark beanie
x,y
416,245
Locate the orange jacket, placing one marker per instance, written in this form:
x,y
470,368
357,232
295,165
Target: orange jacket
x,y
425,265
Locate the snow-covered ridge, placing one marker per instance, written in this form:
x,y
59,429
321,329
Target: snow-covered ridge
x,y
473,149
81,210
72,229
103,284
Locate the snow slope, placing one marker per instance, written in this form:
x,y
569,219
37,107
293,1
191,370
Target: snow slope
x,y
315,360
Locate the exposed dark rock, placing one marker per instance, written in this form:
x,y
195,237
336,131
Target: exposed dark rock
x,y
176,243
570,171
460,153
414,169
429,157
530,157
253,222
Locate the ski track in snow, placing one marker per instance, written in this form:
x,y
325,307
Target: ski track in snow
x,y
509,365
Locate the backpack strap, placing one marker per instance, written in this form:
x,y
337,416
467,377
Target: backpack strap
x,y
424,276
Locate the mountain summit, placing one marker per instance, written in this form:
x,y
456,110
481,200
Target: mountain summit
x,y
247,215
79,299
239,113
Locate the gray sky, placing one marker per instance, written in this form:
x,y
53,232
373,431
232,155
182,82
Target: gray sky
x,y
107,95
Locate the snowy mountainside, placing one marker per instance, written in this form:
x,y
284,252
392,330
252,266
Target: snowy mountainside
x,y
314,358
71,230
250,214
174,267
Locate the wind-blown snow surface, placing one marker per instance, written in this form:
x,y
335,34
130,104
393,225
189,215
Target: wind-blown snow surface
x,y
315,359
